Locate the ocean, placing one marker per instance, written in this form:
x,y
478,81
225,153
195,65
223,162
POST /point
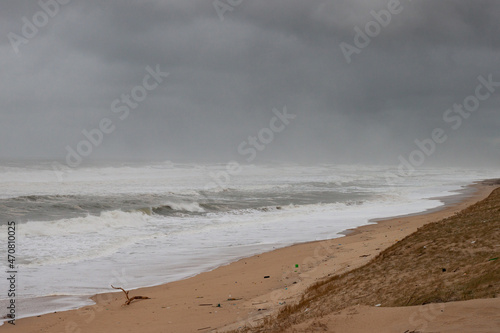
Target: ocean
x,y
136,225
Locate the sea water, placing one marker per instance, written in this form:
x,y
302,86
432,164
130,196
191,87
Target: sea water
x,y
136,225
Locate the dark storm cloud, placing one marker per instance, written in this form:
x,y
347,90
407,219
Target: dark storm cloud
x,y
226,76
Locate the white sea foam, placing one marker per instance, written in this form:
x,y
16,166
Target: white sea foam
x,y
106,222
82,238
185,206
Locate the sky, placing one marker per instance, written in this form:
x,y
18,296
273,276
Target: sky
x,y
346,82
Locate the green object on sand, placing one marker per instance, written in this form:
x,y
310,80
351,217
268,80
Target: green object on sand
x,y
493,259
296,265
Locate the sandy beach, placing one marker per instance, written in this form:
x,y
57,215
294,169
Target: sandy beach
x,y
246,291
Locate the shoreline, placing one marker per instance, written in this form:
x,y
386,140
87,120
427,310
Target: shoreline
x,y
241,288
448,201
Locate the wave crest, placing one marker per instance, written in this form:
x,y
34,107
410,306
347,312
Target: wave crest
x,y
91,223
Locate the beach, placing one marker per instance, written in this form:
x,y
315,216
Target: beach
x,y
249,166
248,290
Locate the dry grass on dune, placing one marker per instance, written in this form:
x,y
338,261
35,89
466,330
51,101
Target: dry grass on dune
x,y
446,261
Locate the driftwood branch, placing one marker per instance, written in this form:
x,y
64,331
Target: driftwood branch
x,y
127,302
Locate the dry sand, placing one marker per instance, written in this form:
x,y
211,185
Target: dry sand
x,y
474,316
252,288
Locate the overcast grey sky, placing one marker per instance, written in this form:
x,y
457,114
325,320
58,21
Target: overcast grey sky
x,y
231,63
